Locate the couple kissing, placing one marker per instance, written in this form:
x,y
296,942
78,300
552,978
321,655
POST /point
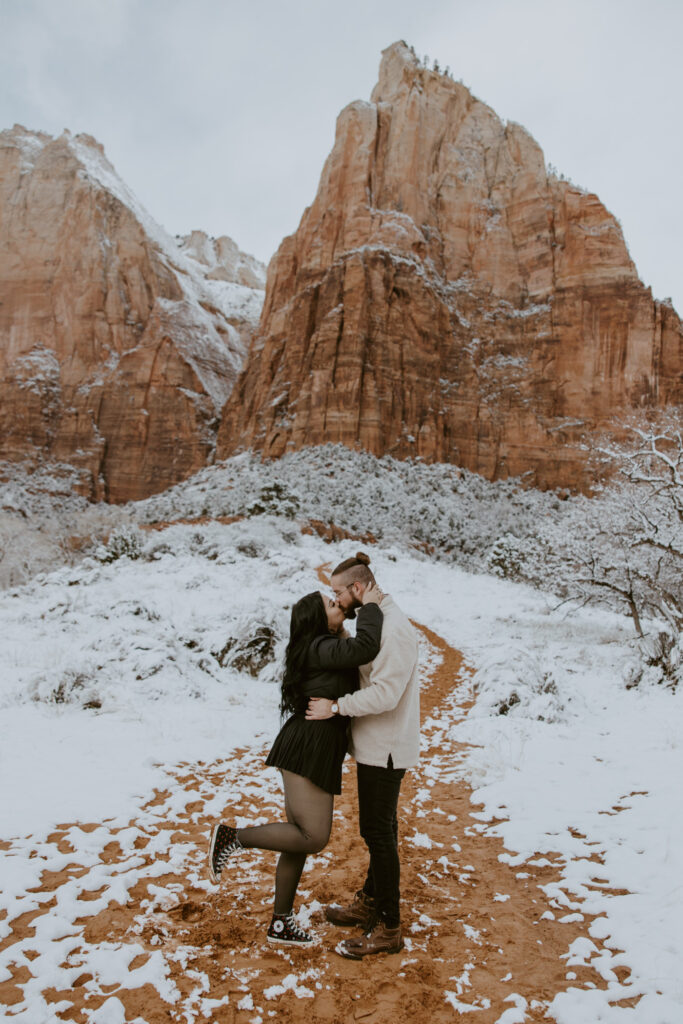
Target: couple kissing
x,y
342,694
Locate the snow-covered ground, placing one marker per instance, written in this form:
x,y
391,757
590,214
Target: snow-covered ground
x,y
114,671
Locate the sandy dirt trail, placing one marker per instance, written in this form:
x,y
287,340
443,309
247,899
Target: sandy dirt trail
x,y
482,936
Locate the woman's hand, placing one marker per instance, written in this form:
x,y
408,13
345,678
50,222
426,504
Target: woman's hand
x,y
372,595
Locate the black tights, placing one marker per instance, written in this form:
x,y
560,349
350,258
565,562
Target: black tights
x,y
309,822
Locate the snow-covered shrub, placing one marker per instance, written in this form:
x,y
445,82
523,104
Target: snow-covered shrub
x,y
659,661
25,550
42,490
506,558
251,643
633,555
157,547
204,543
125,542
45,521
275,500
249,549
75,686
249,654
515,683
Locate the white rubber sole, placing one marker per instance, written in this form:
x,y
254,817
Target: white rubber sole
x,y
212,845
290,942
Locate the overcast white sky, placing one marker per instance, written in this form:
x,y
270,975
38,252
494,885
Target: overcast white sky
x,y
219,113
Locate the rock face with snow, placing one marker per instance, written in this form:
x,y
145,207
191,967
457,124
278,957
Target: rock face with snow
x,y
445,296
117,348
223,259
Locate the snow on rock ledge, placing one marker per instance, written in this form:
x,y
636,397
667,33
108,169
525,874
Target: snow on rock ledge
x,y
143,340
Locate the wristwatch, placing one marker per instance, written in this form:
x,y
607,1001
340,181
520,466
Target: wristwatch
x,y
335,708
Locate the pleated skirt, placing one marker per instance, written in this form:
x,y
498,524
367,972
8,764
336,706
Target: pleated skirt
x,y
312,749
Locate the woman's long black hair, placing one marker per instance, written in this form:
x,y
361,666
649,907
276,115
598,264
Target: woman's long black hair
x,y
309,620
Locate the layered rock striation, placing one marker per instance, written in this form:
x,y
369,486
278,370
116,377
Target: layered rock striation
x,y
118,346
446,297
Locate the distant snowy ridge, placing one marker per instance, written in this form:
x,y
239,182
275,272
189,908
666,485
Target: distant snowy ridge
x,y
205,296
217,305
223,259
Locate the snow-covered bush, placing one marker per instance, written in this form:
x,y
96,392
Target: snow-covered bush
x,y
45,523
516,683
250,653
659,661
275,500
124,542
507,557
75,686
628,551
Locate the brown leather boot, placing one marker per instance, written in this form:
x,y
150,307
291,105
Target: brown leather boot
x,y
358,912
380,940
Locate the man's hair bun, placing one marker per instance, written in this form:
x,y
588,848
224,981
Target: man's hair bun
x,y
355,569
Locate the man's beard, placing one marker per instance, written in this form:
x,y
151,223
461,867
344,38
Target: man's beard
x,y
350,613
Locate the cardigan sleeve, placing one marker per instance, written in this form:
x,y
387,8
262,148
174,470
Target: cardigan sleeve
x,y
391,672
331,652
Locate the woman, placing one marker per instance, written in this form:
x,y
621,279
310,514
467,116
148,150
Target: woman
x,y
319,662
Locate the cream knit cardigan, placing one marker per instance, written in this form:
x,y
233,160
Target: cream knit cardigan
x,y
386,709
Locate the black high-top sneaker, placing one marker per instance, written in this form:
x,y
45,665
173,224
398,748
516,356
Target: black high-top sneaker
x,y
224,841
284,931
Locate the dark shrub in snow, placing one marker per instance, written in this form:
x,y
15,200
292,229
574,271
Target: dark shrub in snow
x,y
249,655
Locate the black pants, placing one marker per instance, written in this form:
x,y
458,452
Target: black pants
x,y
378,790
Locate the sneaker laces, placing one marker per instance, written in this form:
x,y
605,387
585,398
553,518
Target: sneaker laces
x,y
227,850
296,929
222,857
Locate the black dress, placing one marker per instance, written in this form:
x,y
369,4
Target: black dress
x,y
316,749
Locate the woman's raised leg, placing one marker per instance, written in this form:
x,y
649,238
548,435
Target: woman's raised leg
x,y
308,825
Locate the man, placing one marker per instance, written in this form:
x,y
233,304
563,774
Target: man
x,y
385,740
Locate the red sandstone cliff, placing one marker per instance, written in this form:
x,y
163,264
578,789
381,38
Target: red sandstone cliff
x,y
445,296
118,347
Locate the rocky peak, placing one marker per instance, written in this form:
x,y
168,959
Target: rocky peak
x,y
401,70
445,296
